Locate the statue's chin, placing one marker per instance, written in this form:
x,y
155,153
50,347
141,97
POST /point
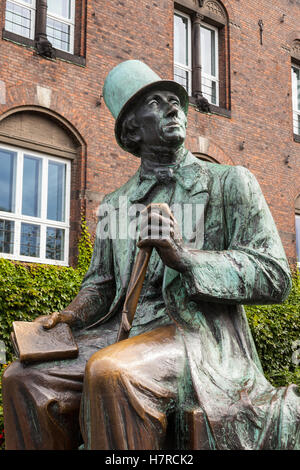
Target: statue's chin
x,y
173,140
166,143
176,135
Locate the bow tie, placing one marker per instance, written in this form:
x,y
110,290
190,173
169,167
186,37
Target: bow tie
x,y
163,175
189,177
148,181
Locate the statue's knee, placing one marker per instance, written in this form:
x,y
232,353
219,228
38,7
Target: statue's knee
x,y
12,373
101,367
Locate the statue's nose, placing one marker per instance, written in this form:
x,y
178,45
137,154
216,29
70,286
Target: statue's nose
x,y
171,110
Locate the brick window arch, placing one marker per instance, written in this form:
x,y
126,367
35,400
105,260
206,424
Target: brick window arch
x,y
201,51
39,168
204,157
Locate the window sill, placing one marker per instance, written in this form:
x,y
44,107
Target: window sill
x,y
214,109
29,259
297,138
61,55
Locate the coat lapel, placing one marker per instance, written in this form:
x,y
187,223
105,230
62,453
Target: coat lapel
x,y
125,243
142,189
193,189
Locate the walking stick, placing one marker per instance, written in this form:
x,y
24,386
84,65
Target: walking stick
x,y
135,286
133,291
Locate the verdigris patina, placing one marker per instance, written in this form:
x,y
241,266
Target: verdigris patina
x,y
190,358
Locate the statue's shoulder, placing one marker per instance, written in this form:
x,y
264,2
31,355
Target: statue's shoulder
x,y
213,169
221,170
229,178
238,174
240,185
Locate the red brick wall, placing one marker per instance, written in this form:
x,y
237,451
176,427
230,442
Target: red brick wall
x,y
260,95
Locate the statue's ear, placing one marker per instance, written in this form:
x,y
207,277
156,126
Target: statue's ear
x,y
135,135
130,135
133,129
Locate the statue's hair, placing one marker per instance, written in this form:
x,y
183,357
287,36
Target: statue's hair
x,y
129,137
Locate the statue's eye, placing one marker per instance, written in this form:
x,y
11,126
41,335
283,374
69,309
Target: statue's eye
x,y
153,102
175,101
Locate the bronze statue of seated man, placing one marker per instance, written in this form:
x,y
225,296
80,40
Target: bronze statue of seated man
x,y
190,351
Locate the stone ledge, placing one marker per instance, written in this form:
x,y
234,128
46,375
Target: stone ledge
x,y
30,43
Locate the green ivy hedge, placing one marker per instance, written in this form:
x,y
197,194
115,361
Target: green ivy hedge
x,y
32,290
276,332
28,291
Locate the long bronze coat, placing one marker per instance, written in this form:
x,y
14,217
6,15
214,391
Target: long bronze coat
x,y
240,260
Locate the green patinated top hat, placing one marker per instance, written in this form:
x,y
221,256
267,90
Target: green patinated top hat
x,y
126,83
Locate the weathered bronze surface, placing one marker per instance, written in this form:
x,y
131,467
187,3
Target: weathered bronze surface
x,y
190,359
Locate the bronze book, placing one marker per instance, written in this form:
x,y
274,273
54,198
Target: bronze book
x,y
33,343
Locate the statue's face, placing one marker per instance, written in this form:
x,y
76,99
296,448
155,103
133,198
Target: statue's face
x,y
161,119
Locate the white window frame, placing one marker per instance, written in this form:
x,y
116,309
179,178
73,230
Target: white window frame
x,y
68,21
297,217
32,8
296,110
206,75
188,68
184,67
17,217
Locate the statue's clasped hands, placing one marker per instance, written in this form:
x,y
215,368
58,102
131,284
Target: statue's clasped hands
x,y
159,229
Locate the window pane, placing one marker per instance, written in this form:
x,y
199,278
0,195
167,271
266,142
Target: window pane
x,y
296,88
6,236
58,34
296,99
181,76
56,191
18,19
209,90
298,237
181,53
30,240
7,180
208,51
31,198
61,7
296,123
55,243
